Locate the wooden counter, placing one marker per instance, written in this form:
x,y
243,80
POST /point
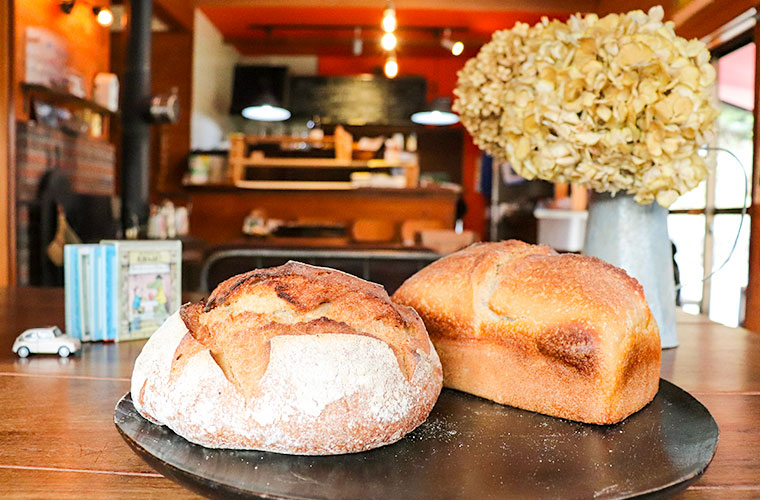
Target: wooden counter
x,y
218,212
58,440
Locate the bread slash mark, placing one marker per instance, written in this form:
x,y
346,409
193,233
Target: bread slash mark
x,y
573,344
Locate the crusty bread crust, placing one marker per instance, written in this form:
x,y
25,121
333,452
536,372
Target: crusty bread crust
x,y
561,334
295,359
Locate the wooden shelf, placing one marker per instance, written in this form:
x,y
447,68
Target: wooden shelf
x,y
240,160
300,185
59,96
285,139
319,163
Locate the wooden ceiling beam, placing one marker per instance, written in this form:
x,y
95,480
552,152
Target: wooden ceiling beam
x,y
342,45
179,15
331,46
556,6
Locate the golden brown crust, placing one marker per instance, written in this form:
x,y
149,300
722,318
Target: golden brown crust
x,y
245,312
563,334
294,359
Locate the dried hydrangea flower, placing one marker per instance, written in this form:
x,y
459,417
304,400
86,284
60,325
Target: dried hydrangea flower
x,y
617,104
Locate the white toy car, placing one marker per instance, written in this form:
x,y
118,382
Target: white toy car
x,y
46,340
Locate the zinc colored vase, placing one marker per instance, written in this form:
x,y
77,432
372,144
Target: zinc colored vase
x,y
635,238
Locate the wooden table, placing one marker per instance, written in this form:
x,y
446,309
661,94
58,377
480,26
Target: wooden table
x,y
57,438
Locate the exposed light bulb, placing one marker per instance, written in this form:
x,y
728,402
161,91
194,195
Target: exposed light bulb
x,y
389,20
103,15
457,48
391,67
388,41
357,45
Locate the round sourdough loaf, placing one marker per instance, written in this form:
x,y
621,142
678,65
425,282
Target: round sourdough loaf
x,y
294,359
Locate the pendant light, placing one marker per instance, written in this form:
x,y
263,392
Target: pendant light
x,y
259,92
438,113
266,109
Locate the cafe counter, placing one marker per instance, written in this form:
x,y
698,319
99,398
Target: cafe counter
x,y
218,211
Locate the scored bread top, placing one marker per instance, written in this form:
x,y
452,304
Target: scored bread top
x,y
246,311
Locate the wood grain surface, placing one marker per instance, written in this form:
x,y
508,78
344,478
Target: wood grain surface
x,y
57,438
228,207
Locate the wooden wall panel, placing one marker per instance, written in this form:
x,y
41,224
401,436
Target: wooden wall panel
x,y
752,309
171,66
693,19
179,14
7,172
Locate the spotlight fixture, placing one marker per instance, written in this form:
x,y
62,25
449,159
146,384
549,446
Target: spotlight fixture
x,y
438,113
389,19
391,66
103,15
388,41
358,45
456,47
67,6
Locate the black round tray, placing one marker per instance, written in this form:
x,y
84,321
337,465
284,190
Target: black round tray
x,y
469,448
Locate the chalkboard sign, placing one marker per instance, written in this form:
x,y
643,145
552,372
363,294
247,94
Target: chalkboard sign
x,y
357,100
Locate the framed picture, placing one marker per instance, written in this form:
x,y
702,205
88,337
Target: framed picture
x,y
148,285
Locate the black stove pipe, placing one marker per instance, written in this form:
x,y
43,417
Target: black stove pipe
x,y
135,120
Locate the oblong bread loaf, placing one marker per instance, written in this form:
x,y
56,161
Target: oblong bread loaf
x,y
560,334
295,359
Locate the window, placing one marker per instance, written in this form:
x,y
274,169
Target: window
x,y
703,223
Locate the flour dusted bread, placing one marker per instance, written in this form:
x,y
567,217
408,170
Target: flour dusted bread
x,y
561,334
294,359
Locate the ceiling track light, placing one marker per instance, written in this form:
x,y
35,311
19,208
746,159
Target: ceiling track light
x,y
103,15
357,46
67,6
455,46
391,66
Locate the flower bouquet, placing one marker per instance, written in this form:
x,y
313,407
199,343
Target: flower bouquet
x,y
618,103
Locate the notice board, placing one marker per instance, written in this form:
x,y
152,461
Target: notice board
x,y
357,100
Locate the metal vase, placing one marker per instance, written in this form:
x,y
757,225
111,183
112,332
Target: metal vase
x,y
635,238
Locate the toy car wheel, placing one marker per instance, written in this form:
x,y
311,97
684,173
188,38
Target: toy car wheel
x,y
64,351
23,352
